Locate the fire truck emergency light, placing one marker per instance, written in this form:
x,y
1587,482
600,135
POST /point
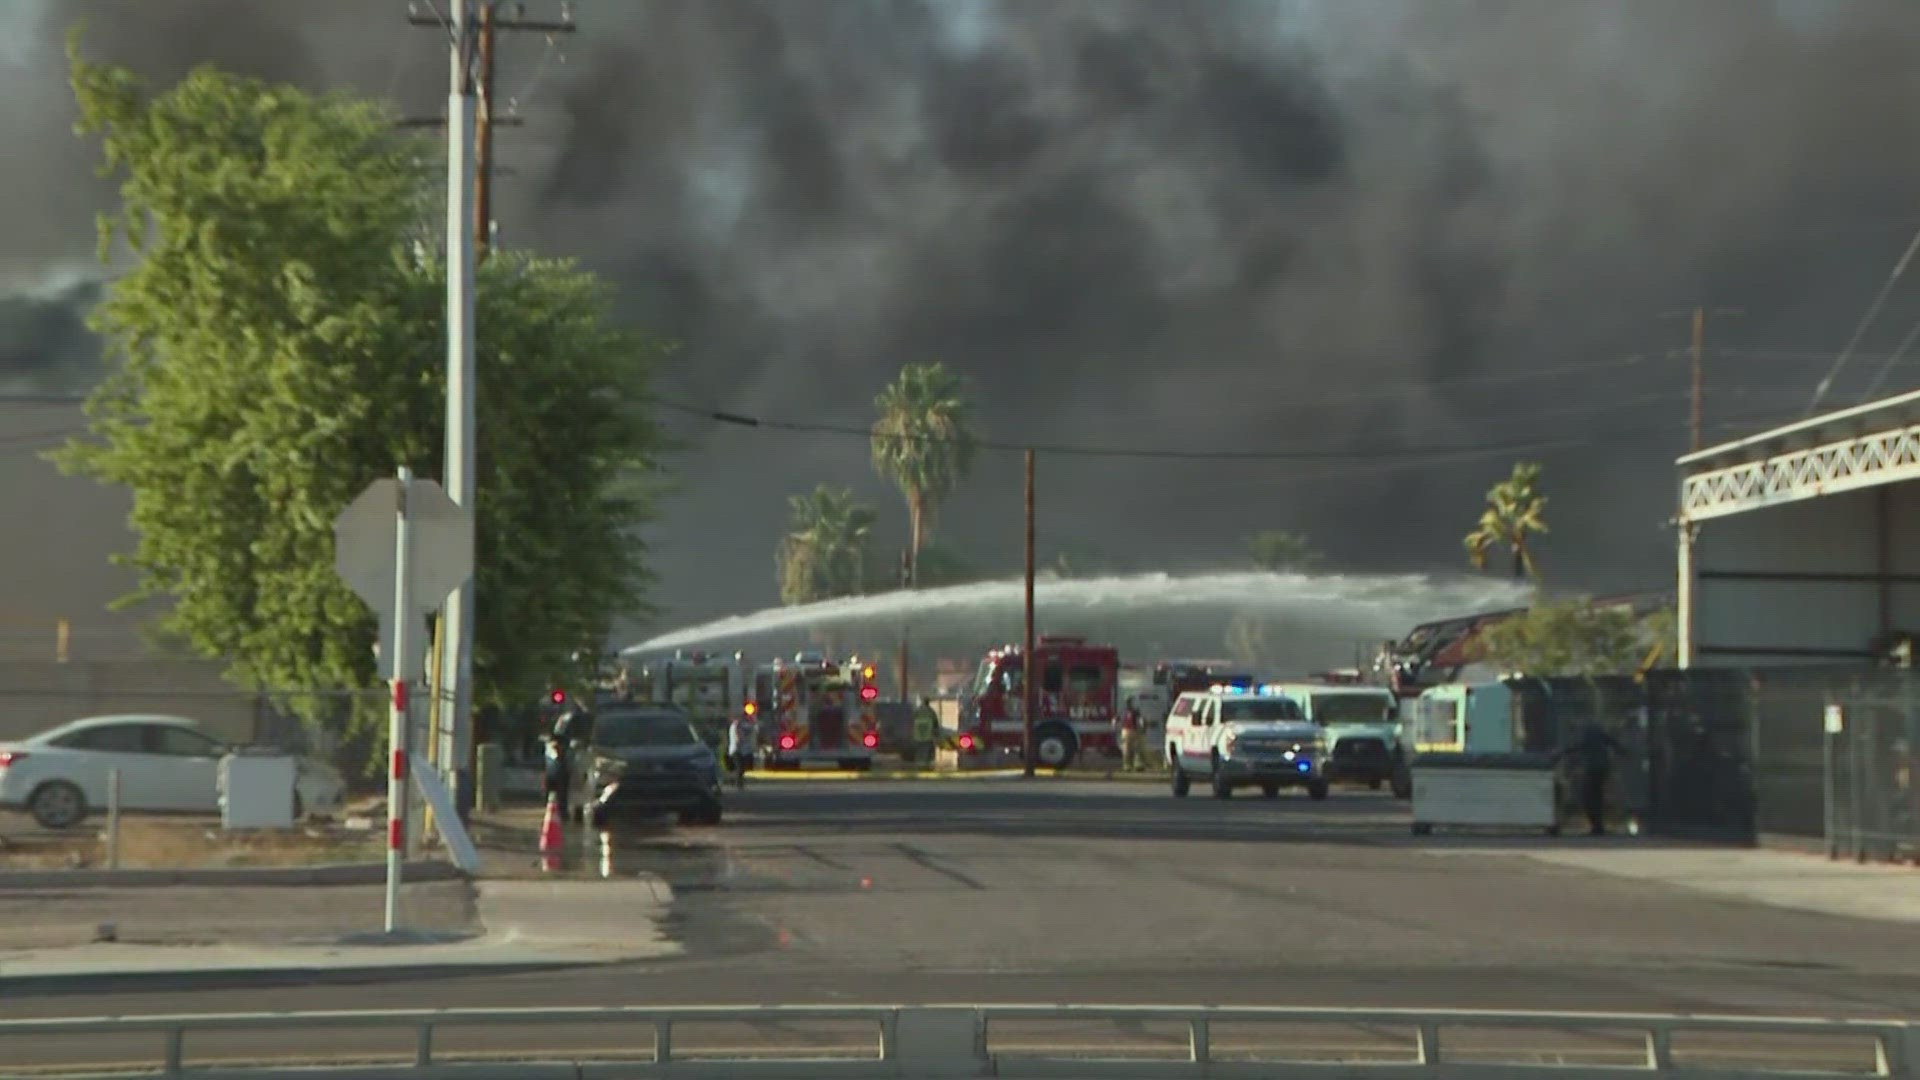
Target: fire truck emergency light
x,y
750,708
966,742
867,672
558,697
786,742
870,739
868,693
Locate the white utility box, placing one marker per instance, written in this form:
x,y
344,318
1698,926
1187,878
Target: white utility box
x,y
256,791
1493,794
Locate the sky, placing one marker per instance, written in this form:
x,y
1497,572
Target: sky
x,y
1417,239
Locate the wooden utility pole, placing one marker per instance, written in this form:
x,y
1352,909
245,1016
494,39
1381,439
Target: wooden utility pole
x,y
906,582
1699,315
1029,668
485,23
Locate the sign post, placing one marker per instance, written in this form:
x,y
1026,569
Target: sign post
x,y
397,711
402,546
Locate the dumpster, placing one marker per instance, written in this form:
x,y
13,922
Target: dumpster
x,y
1505,791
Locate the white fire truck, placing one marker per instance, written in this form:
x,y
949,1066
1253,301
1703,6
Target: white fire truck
x,y
815,713
707,687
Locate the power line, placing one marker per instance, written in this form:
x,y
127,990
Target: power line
x,y
1892,360
1860,330
808,427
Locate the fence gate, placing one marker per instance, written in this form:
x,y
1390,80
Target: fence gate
x,y
1698,756
1872,805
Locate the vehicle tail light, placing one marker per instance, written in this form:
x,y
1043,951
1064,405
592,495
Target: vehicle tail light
x,y
786,742
966,742
870,739
8,757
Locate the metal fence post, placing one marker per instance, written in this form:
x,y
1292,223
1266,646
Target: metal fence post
x,y
1855,803
113,819
1827,794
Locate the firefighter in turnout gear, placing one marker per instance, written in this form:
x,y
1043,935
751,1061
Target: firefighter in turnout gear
x,y
1591,756
926,732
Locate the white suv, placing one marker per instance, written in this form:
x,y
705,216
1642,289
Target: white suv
x,y
1240,739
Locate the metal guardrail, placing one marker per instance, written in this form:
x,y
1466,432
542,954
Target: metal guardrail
x,y
953,1041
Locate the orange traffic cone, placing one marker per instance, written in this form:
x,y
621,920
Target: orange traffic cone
x,y
551,839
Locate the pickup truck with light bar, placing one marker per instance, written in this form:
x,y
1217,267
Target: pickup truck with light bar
x,y
1233,737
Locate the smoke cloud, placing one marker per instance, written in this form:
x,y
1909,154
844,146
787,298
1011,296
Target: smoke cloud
x,y
1236,225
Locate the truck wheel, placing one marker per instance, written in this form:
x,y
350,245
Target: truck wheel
x,y
707,813
1054,747
1271,791
1181,783
1316,789
1222,786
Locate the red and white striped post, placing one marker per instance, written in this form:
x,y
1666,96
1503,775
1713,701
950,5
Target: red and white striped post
x,y
397,716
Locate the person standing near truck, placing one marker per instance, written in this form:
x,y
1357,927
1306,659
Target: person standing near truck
x,y
1591,756
926,731
1133,756
740,747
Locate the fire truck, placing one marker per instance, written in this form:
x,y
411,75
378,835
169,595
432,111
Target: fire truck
x,y
815,712
707,687
1437,653
1176,677
1079,700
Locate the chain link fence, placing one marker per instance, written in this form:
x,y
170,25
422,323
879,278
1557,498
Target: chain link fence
x,y
1821,755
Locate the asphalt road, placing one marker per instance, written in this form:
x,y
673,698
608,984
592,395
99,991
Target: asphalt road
x,y
1084,892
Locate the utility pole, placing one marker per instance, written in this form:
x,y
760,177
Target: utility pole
x,y
468,231
483,22
1029,673
906,582
1700,314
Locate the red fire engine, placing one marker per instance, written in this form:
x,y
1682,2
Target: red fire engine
x,y
1180,676
815,712
1079,699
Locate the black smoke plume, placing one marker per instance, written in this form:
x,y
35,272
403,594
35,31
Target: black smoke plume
x,y
1243,224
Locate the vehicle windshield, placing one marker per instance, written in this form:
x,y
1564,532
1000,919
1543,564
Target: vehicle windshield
x,y
1260,709
1351,709
635,730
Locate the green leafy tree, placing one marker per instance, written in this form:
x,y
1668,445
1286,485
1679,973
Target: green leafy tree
x,y
922,444
1278,551
1514,515
279,344
824,553
1576,637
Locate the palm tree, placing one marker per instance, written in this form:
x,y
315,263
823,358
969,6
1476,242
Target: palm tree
x,y
1514,515
921,442
823,554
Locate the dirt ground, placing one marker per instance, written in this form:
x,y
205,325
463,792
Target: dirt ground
x,y
186,843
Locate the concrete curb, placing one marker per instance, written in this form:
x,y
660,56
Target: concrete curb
x,y
518,918
879,775
236,876
267,976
